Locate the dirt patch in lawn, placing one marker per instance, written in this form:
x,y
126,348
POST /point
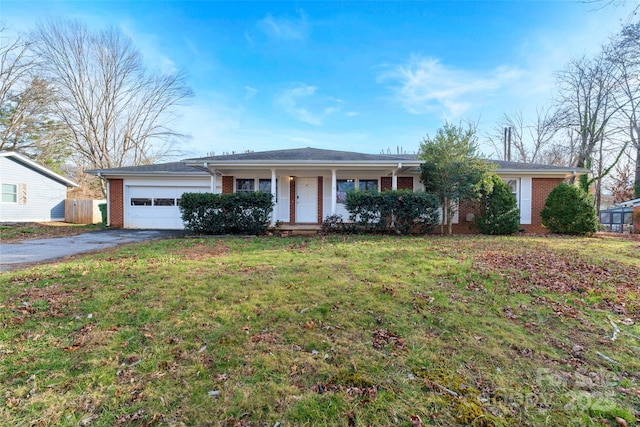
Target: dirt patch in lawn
x,y
201,250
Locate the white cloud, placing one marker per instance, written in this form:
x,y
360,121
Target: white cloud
x,y
149,45
250,92
424,85
284,28
301,102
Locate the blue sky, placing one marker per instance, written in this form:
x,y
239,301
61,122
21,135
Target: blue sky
x,y
356,76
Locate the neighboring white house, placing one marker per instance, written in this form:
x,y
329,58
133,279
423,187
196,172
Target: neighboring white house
x,y
635,204
308,183
30,192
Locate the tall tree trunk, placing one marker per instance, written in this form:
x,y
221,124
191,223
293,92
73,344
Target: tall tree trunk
x,y
636,180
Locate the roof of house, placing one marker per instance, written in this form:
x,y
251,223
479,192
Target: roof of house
x,y
313,157
171,168
304,154
633,202
25,161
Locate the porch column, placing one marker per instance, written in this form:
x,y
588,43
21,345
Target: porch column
x,y
394,180
213,183
273,193
334,192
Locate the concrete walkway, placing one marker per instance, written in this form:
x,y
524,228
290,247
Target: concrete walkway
x,y
16,255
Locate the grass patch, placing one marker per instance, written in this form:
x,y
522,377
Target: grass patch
x,y
484,331
11,232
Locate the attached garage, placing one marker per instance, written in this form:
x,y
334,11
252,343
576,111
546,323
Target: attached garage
x,y
148,197
156,207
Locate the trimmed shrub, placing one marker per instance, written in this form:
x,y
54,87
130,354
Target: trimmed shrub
x,y
236,213
498,210
569,210
403,211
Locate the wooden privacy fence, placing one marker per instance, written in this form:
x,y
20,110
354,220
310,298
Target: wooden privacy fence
x,y
80,211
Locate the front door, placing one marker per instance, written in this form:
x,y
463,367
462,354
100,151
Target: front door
x,y
307,200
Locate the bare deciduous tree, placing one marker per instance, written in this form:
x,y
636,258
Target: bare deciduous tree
x,y
529,140
586,98
624,53
119,113
26,123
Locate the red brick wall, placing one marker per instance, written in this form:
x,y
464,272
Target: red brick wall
x,y
405,183
116,203
292,200
320,198
463,226
227,184
636,219
386,183
540,189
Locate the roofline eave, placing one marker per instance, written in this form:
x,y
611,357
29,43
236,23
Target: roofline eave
x,y
110,175
288,164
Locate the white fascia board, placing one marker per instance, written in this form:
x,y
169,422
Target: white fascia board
x,y
112,175
305,164
547,173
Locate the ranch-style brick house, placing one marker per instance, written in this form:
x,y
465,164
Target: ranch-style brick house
x,y
309,184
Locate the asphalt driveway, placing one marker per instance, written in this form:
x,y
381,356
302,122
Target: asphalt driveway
x,y
16,255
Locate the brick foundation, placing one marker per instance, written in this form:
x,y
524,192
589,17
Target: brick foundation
x,y
116,203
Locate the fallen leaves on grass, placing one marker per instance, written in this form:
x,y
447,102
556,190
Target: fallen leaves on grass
x,y
549,271
383,337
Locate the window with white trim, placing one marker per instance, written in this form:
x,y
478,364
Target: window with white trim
x,y
514,186
343,186
245,185
368,185
264,185
9,193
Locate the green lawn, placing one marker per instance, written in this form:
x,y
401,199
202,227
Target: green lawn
x,y
331,331
11,232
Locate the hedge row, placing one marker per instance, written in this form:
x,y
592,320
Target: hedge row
x,y
236,213
401,211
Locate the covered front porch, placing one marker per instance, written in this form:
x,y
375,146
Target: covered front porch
x,y
309,184
309,196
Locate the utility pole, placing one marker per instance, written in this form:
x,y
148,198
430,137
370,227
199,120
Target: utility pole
x,y
507,144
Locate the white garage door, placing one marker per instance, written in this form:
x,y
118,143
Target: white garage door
x,y
156,207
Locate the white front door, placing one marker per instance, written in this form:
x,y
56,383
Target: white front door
x,y
307,200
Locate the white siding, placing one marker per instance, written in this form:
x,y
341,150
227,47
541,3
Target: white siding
x,y
282,207
44,199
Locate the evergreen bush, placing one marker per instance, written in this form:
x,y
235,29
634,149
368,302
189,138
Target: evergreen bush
x,y
569,210
236,213
498,209
401,211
